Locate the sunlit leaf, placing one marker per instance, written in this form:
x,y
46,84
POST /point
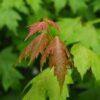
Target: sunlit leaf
x,y
45,86
84,59
72,31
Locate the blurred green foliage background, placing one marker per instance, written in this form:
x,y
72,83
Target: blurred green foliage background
x,y
79,21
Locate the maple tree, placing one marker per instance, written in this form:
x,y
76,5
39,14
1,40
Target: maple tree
x,y
79,23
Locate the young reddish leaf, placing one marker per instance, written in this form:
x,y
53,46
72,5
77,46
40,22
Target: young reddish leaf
x,y
58,59
37,27
40,26
35,47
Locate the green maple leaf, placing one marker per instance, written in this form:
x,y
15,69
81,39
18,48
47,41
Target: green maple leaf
x,y
73,31
69,27
9,75
18,4
59,4
86,32
46,85
35,4
78,5
84,59
9,18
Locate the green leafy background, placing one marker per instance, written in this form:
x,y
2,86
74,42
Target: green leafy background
x,y
79,21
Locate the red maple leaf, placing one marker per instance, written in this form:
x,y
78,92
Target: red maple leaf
x,y
58,58
35,47
40,26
